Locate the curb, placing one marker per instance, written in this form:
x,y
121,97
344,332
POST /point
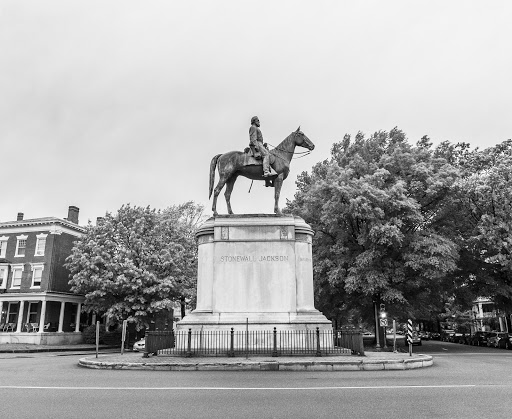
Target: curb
x,y
420,361
50,349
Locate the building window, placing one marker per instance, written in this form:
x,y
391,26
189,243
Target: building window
x,y
21,246
17,271
4,269
37,273
12,313
40,244
3,246
32,312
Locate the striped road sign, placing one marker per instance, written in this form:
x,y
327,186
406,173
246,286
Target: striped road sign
x,y
409,331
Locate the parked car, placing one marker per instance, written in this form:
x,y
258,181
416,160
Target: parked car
x,y
458,338
479,338
416,339
508,344
424,335
446,335
435,336
140,345
498,339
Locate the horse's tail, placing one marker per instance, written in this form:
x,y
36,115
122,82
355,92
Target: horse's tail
x,y
213,165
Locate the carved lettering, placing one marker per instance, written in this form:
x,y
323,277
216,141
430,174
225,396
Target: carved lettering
x,y
250,258
273,258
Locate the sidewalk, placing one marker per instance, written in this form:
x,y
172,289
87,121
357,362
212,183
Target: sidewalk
x,y
26,348
372,361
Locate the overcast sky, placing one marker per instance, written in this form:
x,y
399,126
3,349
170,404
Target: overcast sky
x,y
110,102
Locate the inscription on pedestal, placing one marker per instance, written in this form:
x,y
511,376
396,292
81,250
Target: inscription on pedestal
x,y
252,258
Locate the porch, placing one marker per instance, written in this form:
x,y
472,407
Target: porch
x,y
40,318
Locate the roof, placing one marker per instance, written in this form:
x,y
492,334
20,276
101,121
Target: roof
x,y
42,221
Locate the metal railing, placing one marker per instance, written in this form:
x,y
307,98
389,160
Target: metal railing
x,y
254,342
157,340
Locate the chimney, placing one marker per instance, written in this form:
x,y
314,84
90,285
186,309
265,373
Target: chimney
x,y
73,214
20,216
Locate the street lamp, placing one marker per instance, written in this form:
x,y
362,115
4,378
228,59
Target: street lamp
x,y
383,322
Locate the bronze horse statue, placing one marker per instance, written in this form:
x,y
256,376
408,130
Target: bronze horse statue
x,y
233,164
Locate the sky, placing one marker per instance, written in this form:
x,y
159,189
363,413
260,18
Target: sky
x,y
104,103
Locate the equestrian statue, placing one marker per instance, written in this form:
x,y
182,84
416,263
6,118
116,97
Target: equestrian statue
x,y
256,163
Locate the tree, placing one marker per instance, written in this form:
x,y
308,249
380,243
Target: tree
x,y
137,262
483,224
378,207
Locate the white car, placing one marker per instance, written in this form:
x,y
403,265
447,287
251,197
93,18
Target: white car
x,y
140,345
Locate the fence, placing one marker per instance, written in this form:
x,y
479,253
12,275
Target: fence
x,y
254,342
157,340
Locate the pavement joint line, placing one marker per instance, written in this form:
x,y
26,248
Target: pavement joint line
x,y
402,387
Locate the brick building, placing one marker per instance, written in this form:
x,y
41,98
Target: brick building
x,y
36,304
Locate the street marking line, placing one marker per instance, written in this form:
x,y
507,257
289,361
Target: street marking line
x,y
252,388
505,355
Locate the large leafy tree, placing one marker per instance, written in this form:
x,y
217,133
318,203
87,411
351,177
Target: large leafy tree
x,y
483,224
379,207
137,262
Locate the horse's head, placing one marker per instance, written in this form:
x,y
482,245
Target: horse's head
x,y
301,140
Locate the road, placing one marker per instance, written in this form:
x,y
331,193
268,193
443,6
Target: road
x,y
465,382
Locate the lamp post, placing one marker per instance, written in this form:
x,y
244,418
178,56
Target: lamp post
x,y
383,316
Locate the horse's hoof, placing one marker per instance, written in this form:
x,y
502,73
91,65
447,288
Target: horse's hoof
x,y
215,213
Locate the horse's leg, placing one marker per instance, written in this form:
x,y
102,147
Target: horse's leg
x,y
216,192
278,182
227,193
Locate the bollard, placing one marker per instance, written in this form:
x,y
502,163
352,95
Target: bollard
x,y
232,343
97,338
123,336
318,352
146,353
189,343
274,351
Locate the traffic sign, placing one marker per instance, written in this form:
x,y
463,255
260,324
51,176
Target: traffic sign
x,y
409,331
384,322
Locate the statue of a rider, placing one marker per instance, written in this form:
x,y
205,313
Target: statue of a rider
x,y
256,141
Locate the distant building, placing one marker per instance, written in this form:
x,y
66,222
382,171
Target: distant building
x,y
36,303
486,317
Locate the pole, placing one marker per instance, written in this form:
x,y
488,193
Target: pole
x,y
97,338
409,335
377,346
394,335
384,328
123,337
246,338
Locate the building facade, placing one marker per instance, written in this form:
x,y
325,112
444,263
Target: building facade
x,y
487,318
36,303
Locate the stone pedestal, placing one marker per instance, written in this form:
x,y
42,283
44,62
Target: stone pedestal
x,y
256,269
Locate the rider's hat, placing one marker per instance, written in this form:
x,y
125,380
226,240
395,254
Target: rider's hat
x,y
254,118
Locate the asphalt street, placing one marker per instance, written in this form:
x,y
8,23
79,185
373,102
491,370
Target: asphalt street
x,y
465,382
